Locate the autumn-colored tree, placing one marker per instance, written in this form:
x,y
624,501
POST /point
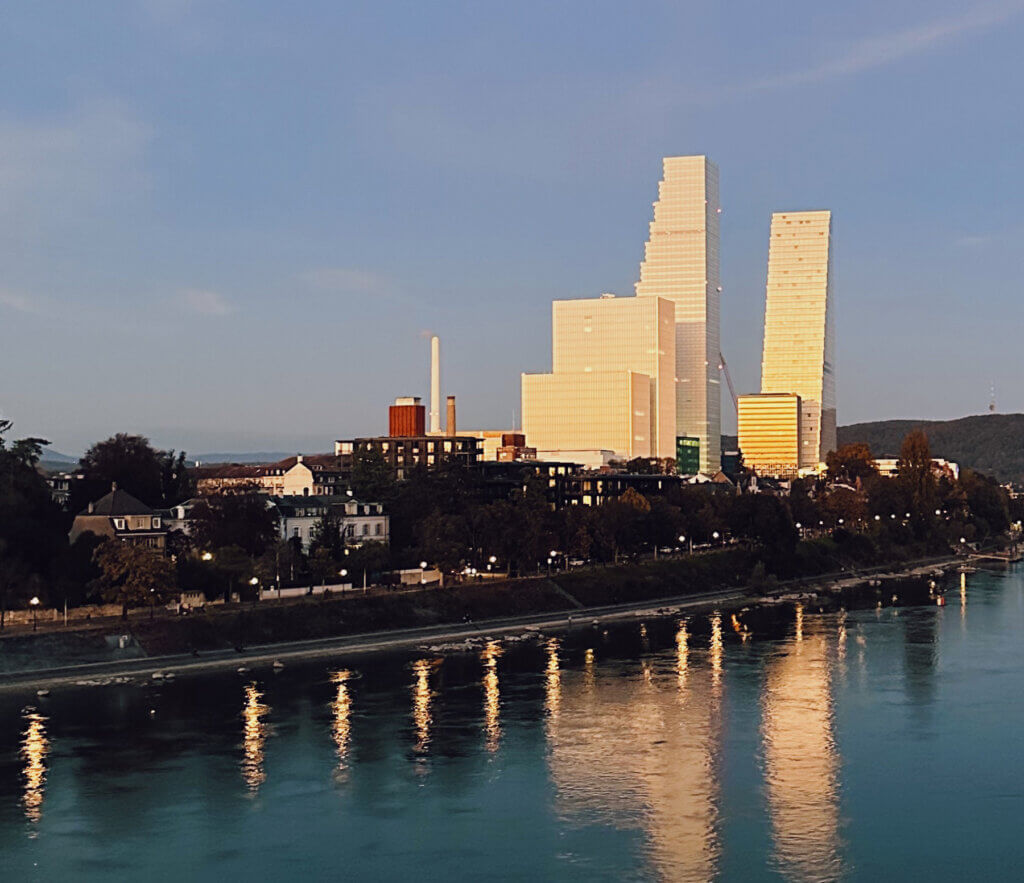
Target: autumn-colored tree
x,y
850,462
916,478
133,575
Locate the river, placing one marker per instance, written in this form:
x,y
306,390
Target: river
x,y
864,745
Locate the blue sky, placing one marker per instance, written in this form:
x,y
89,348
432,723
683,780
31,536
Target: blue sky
x,y
229,225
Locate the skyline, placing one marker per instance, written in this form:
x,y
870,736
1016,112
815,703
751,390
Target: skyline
x,y
196,218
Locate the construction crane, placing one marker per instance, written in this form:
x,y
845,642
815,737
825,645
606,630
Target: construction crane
x,y
724,368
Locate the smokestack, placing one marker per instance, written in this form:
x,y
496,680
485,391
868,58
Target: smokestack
x,y
451,415
435,384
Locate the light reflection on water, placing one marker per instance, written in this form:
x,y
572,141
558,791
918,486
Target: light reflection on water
x,y
34,748
663,750
421,705
801,761
492,697
254,735
341,727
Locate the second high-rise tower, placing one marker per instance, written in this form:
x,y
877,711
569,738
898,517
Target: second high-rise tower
x,y
681,265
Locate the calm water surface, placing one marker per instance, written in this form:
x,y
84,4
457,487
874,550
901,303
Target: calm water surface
x,y
871,745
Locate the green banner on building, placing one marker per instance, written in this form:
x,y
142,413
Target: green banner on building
x,y
687,455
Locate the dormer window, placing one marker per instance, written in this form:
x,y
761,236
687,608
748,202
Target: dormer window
x,y
118,524
156,524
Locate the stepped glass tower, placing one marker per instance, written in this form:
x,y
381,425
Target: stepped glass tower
x,y
681,265
799,337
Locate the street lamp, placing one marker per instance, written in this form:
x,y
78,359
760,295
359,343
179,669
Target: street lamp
x,y
207,556
35,604
715,536
878,518
423,566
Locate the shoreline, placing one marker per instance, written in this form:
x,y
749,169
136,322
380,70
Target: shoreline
x,y
103,673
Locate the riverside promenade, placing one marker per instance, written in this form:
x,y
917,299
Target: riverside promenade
x,y
183,664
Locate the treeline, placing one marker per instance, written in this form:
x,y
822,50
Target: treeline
x,y
989,443
453,518
36,559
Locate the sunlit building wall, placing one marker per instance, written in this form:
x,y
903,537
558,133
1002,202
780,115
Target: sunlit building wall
x,y
769,433
799,338
608,334
586,411
681,264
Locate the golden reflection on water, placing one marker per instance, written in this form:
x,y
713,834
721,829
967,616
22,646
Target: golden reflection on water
x,y
254,736
421,704
492,721
963,599
799,622
801,761
645,758
716,650
553,680
682,655
34,749
341,725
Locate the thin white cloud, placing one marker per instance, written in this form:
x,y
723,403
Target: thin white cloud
x,y
885,49
20,303
205,302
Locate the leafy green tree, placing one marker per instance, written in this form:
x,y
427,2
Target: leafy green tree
x,y
326,534
244,519
130,461
281,564
133,576
176,484
323,565
372,481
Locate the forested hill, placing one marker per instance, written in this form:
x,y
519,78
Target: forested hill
x,y
990,443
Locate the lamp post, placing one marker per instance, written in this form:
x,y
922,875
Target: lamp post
x,y
715,536
35,606
423,566
207,556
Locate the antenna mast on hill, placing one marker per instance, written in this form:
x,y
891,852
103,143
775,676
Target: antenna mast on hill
x,y
992,401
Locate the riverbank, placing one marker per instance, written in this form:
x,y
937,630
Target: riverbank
x,y
567,612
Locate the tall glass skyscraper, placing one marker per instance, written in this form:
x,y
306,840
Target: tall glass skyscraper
x,y
681,265
799,337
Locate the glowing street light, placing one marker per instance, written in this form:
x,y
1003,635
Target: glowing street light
x,y
207,556
35,604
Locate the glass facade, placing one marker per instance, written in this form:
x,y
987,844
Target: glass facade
x,y
769,433
681,264
612,334
799,337
595,410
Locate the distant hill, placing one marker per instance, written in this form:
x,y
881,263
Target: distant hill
x,y
52,456
990,443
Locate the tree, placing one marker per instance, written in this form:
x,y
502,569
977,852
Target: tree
x,y
916,478
326,534
133,576
850,463
130,461
244,519
176,484
33,529
372,480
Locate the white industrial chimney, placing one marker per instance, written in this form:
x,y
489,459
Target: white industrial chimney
x,y
435,384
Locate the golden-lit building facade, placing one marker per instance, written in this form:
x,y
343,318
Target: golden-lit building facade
x,y
579,411
681,264
608,334
769,433
799,336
